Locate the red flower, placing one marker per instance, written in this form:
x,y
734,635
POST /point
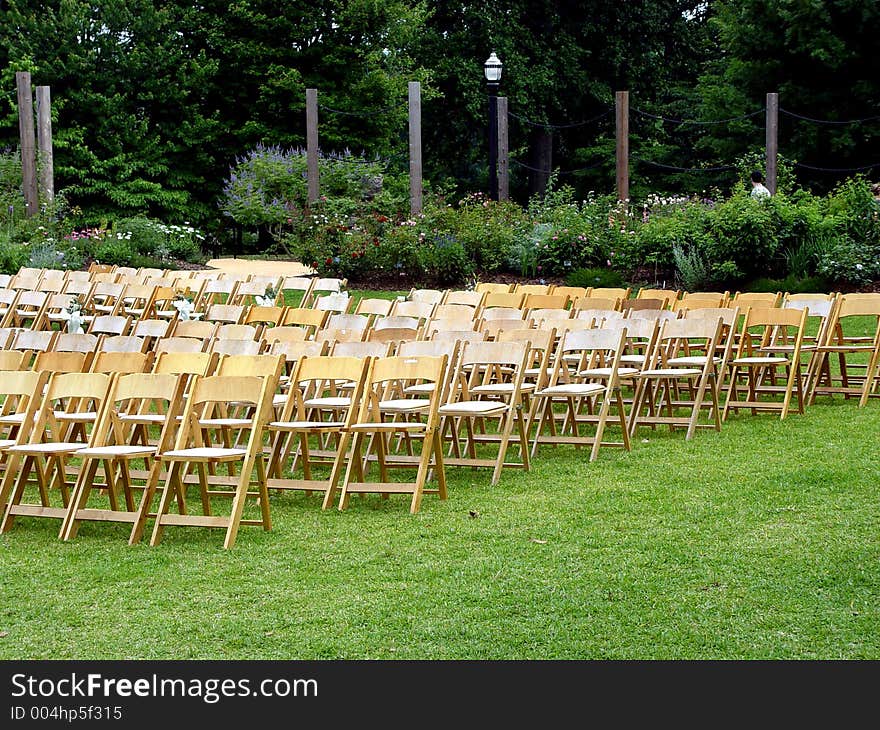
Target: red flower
x,y
328,261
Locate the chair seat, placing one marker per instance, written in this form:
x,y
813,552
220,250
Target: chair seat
x,y
760,361
633,359
76,416
692,360
572,389
58,447
605,372
305,425
6,443
404,405
12,418
156,418
204,453
420,388
229,422
670,373
327,402
121,450
470,407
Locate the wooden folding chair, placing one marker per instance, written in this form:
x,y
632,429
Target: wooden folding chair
x,y
388,410
225,313
340,303
112,325
113,363
122,343
758,365
311,319
295,290
667,296
493,287
853,335
197,448
464,296
135,403
586,383
487,389
304,424
678,385
430,296
72,401
28,309
21,393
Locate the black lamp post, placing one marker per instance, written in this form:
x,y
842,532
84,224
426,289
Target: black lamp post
x,y
492,70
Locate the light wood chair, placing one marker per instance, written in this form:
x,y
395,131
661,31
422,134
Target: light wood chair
x,y
487,389
295,290
756,372
197,448
677,386
298,435
388,410
491,287
668,296
586,383
853,335
21,393
135,403
311,319
70,406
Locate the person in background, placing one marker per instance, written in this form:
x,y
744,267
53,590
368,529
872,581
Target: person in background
x,y
758,189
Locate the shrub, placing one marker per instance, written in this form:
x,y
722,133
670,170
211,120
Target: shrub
x,y
595,277
694,271
445,261
742,242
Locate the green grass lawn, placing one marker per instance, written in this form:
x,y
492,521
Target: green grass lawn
x,y
758,542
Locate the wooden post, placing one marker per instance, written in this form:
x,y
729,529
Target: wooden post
x,y
503,151
44,143
621,101
26,136
312,144
772,140
415,148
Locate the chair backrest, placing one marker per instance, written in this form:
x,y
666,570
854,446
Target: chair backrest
x,y
235,347
633,305
236,332
152,328
21,393
545,301
61,362
339,303
311,319
298,287
461,312
179,344
421,310
598,315
464,296
360,349
668,296
502,299
348,322
109,324
194,328
374,306
12,360
591,302
611,292
67,342
122,362
122,343
225,313
185,363
430,296
756,299
491,287
319,376
397,322
285,333
488,313
539,289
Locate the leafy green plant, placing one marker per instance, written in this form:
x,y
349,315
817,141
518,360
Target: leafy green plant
x,y
596,277
694,271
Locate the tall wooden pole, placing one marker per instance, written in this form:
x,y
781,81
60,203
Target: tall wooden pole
x,y
493,140
415,147
44,142
26,136
772,140
503,151
312,144
621,101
